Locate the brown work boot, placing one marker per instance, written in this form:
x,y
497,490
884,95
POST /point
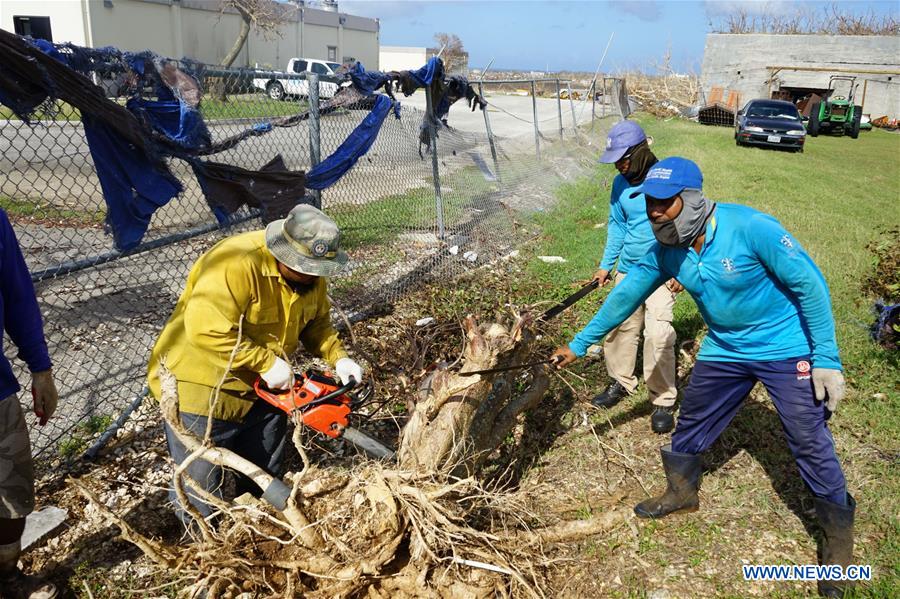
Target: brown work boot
x,y
837,545
15,584
683,475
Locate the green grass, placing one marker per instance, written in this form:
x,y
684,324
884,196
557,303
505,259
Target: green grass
x,y
378,221
836,198
35,209
247,106
77,442
59,111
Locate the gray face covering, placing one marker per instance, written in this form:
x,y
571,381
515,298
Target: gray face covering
x,y
682,230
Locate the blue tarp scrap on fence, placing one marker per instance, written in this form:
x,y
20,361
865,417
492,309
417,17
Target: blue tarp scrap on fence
x,y
366,81
134,180
327,172
426,74
133,187
175,119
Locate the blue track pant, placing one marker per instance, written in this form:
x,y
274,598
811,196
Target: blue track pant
x,y
716,392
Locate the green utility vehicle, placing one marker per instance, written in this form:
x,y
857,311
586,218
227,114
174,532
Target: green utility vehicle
x,y
836,112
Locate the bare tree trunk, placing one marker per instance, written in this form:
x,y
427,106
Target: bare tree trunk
x,y
218,89
239,42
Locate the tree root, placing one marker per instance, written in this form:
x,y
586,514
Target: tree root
x,y
419,528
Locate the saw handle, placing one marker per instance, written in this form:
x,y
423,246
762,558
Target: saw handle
x,y
276,395
336,393
270,395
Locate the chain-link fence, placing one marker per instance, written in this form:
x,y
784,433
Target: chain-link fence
x,y
411,212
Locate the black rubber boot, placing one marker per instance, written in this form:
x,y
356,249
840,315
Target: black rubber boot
x,y
662,420
837,546
613,395
683,475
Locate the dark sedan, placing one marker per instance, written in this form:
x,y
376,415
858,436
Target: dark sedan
x,y
772,123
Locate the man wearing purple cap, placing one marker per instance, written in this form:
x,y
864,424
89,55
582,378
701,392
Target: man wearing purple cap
x,y
768,311
629,238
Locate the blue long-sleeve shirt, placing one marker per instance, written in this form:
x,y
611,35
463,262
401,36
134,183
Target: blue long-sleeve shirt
x,y
761,295
20,316
629,235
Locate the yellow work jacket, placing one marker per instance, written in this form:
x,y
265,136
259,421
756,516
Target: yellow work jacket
x,y
237,278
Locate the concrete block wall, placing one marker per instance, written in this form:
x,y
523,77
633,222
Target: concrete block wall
x,y
738,62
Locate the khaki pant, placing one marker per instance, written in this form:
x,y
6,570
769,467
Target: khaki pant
x,y
16,467
621,345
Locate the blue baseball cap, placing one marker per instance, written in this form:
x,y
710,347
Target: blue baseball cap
x,y
669,177
622,136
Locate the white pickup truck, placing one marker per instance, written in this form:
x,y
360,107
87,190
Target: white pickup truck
x,y
278,88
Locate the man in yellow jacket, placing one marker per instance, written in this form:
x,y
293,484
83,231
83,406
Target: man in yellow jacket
x,y
249,301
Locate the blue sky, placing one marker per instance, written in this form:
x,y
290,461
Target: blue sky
x,y
563,35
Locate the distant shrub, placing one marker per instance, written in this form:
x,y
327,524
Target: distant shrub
x,y
832,20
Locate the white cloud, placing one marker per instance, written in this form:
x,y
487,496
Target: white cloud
x,y
724,8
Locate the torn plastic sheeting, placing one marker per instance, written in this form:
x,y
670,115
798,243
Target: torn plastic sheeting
x,y
327,172
272,188
133,186
424,75
366,81
175,119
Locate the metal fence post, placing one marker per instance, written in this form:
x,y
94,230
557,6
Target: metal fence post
x,y
572,106
487,126
603,100
315,148
431,126
559,108
593,91
537,133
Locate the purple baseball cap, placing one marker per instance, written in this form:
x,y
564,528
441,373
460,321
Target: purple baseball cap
x,y
622,136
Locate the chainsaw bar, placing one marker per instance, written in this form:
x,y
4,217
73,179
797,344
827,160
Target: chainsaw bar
x,y
369,445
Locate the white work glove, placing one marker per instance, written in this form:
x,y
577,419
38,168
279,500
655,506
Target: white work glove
x,y
828,382
346,368
279,376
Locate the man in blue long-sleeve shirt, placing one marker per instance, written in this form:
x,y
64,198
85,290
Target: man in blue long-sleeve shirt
x,y
768,311
629,237
20,317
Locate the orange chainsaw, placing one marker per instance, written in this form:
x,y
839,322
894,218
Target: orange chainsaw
x,y
325,406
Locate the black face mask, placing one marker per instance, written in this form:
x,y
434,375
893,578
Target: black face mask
x,y
667,234
641,161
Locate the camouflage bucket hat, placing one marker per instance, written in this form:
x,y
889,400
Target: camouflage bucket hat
x,y
307,241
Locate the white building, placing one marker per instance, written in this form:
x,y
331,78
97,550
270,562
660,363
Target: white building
x,y
407,58
401,58
195,29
